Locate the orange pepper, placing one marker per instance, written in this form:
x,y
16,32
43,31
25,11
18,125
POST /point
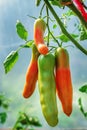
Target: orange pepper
x,y
31,74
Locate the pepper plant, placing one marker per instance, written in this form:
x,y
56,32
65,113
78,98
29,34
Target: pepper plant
x,y
72,8
4,105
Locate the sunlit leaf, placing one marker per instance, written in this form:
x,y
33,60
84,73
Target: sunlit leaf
x,y
68,13
83,32
21,31
74,35
25,121
10,61
4,101
55,2
83,89
63,38
18,126
83,35
34,121
3,117
28,44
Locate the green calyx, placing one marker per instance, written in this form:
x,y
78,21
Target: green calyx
x,y
37,2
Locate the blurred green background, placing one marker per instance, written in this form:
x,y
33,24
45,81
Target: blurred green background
x,y
11,84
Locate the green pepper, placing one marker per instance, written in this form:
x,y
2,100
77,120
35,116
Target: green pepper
x,y
47,88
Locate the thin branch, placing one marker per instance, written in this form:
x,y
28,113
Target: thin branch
x,y
78,14
47,24
42,10
59,22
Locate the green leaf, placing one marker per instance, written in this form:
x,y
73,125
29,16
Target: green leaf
x,y
1,99
0,102
18,126
81,107
54,26
83,89
25,121
63,38
34,121
21,31
74,35
68,13
55,2
4,101
83,35
5,104
28,44
3,117
10,61
83,32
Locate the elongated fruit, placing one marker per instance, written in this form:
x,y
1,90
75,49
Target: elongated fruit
x,y
63,80
81,8
47,88
37,2
31,74
39,30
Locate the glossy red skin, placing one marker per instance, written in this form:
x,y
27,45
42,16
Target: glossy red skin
x,y
31,78
31,74
81,8
39,39
64,89
38,36
63,80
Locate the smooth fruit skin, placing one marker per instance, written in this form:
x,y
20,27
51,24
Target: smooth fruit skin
x,y
37,2
47,88
39,30
80,7
31,74
63,80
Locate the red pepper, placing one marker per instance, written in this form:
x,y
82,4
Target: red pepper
x,y
63,80
81,8
39,30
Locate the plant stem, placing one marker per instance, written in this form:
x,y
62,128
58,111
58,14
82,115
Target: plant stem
x,y
47,24
59,22
41,10
49,32
54,37
76,11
